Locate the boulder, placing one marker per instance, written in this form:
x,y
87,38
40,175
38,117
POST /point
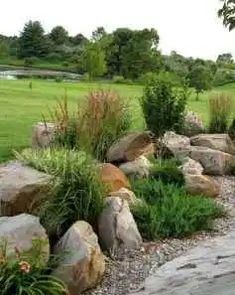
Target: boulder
x,y
125,194
82,265
130,147
43,134
117,227
192,125
204,270
191,167
201,185
220,142
179,145
19,234
21,188
214,162
139,168
113,178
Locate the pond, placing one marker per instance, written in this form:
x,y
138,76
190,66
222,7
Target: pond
x,y
10,73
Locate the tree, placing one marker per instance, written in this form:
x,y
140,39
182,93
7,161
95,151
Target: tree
x,y
32,41
227,13
98,34
4,49
93,60
200,78
59,35
78,40
225,58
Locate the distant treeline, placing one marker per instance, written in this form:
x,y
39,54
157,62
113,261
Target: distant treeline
x,y
123,55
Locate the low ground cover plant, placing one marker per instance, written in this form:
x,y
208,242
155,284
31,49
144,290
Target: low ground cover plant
x,y
76,190
27,275
168,211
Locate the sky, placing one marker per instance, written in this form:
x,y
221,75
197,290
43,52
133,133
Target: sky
x,y
190,27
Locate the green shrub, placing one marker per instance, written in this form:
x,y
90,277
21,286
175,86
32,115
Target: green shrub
x,y
29,61
76,191
148,77
220,107
167,171
168,211
163,106
58,79
118,80
25,276
231,130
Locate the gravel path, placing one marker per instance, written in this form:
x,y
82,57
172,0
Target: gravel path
x,y
128,269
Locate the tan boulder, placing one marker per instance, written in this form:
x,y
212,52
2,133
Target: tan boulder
x,y
113,178
178,145
213,161
125,194
43,134
220,142
82,265
193,124
201,185
19,234
139,168
192,167
21,188
130,147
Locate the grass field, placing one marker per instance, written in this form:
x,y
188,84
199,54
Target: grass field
x,y
21,107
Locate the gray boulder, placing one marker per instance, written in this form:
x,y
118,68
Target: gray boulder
x,y
179,145
117,227
21,188
192,125
43,134
220,142
20,232
82,265
125,194
139,168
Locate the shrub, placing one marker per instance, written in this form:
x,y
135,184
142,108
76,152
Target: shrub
x,y
163,106
58,79
148,77
220,107
167,171
76,191
231,130
168,211
29,61
118,80
26,276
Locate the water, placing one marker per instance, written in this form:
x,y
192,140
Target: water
x,y
7,73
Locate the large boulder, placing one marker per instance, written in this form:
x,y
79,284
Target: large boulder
x,y
220,142
179,145
139,168
214,162
127,195
192,125
113,178
191,167
117,227
82,265
204,270
21,188
201,185
43,134
20,233
130,147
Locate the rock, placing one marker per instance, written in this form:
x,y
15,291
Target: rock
x,y
130,147
204,270
220,142
113,178
20,232
201,185
125,194
117,227
193,124
139,168
214,162
179,145
21,188
82,265
43,135
191,167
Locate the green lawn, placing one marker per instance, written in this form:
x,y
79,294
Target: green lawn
x,y
21,107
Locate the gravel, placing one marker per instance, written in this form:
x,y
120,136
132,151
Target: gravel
x,y
128,269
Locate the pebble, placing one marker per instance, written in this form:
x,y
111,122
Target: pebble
x,y
128,269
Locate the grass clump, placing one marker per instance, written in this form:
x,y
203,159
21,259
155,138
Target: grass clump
x,y
220,107
168,211
76,192
25,275
101,120
231,130
167,171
